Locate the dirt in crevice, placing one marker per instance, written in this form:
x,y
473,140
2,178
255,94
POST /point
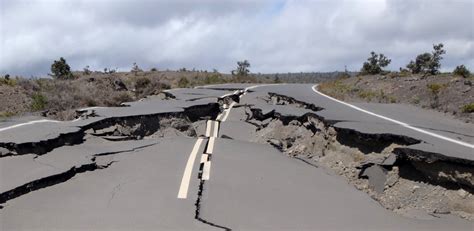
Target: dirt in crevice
x,y
166,126
429,184
122,128
278,99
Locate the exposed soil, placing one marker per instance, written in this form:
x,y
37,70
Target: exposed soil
x,y
121,128
59,99
411,186
444,93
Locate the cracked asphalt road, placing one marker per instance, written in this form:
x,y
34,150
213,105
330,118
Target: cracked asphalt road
x,y
232,182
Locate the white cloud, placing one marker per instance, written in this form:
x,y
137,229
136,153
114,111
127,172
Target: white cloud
x,y
276,36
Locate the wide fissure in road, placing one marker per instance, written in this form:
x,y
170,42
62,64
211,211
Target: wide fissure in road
x,y
237,157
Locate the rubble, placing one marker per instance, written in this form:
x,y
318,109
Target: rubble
x,y
382,165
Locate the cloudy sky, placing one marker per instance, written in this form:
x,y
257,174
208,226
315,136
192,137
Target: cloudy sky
x,y
274,35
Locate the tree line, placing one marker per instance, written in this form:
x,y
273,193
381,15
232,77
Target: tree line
x,y
426,63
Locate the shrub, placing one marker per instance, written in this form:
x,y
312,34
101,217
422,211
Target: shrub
x,y
468,108
142,83
61,70
87,71
392,99
416,100
335,88
277,79
183,82
343,75
427,63
120,98
6,114
39,102
135,69
435,88
462,71
153,69
109,70
7,81
374,64
367,95
214,78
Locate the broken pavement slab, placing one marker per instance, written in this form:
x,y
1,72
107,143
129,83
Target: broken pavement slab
x,y
272,191
138,191
29,170
377,177
136,187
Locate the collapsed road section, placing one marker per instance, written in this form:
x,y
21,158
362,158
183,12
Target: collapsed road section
x,y
384,165
126,164
181,122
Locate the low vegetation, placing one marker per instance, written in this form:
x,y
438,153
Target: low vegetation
x,y
468,108
39,102
462,71
58,97
420,84
183,82
435,88
446,93
6,80
340,90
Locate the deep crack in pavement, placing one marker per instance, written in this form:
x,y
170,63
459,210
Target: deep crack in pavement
x,y
401,170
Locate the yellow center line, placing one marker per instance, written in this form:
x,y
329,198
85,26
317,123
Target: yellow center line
x,y
183,188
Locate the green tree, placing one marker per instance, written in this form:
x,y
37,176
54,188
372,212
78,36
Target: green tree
x,y
428,63
436,57
242,68
375,64
61,70
462,71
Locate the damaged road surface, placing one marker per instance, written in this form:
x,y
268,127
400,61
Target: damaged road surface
x,y
238,157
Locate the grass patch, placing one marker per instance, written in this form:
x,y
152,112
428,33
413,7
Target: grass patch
x,y
392,99
416,100
214,79
339,90
435,88
5,115
468,108
39,102
8,81
367,95
335,88
183,82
